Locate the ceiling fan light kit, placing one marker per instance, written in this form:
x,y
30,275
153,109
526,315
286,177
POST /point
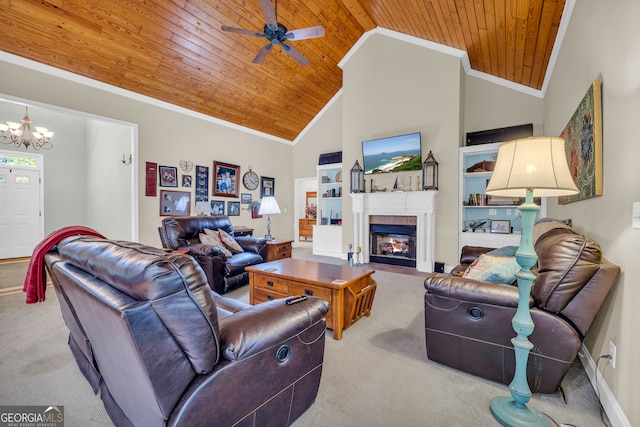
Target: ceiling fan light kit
x,y
276,33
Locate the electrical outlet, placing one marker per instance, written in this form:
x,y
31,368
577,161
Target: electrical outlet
x,y
493,212
612,354
508,212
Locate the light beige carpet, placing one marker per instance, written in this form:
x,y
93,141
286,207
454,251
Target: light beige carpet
x,y
377,375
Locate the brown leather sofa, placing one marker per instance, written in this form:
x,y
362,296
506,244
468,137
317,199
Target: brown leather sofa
x,y
468,321
163,349
224,273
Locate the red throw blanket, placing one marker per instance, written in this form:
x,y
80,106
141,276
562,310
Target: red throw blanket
x,y
35,282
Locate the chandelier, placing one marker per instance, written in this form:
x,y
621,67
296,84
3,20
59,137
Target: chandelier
x,y
18,134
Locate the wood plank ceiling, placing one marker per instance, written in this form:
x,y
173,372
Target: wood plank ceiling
x,y
174,50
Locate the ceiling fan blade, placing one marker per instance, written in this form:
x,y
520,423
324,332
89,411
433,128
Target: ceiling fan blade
x,y
306,33
269,13
262,54
295,54
241,31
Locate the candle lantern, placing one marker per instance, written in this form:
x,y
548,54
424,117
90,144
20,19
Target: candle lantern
x,y
430,173
357,178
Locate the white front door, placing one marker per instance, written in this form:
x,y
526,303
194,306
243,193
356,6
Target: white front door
x,y
20,205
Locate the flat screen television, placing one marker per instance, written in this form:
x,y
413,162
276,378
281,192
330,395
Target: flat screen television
x,y
392,154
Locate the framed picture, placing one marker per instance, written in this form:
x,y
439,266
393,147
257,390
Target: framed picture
x,y
245,198
233,208
217,207
186,180
583,146
225,179
255,208
151,179
175,203
501,226
267,187
168,176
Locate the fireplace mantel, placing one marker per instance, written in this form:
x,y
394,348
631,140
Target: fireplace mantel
x,y
421,204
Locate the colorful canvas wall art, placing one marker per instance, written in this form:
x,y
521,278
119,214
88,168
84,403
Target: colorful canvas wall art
x,y
583,144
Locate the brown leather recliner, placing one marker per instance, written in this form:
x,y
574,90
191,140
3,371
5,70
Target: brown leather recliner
x,y
468,321
163,349
223,274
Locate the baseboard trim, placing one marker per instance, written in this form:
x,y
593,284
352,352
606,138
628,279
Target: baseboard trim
x,y
607,399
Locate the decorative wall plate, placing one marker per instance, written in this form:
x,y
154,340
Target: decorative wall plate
x,y
186,165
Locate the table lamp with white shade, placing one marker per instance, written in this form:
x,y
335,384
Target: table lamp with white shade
x,y
268,206
530,167
203,208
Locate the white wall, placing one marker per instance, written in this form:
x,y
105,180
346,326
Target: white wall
x,y
165,136
108,180
391,87
84,181
602,44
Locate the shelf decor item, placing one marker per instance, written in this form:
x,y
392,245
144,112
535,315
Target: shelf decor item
x,y
357,178
430,173
535,166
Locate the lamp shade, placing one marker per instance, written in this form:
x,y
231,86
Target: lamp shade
x,y
535,163
268,206
203,208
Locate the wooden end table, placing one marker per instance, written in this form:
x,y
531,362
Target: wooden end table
x,y
348,290
278,249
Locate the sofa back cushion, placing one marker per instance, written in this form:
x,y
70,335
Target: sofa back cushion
x,y
185,231
175,284
566,263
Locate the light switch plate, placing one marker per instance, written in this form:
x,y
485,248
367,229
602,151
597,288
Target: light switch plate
x,y
635,220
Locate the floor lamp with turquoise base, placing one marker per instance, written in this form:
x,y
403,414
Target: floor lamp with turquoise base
x,y
514,411
525,166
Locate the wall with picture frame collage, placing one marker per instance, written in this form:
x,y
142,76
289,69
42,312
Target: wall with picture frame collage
x,y
226,182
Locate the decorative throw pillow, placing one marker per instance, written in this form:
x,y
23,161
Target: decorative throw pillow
x,y
505,272
230,242
484,262
214,241
504,251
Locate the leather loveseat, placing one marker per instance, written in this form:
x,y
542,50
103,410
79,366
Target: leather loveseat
x,y
163,349
224,273
468,321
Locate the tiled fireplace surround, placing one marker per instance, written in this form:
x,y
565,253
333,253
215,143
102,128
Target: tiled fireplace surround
x,y
421,204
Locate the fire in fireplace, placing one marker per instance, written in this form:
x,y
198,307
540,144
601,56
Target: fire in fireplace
x,y
393,244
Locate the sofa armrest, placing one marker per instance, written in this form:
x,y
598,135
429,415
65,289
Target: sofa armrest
x,y
256,245
204,249
472,290
258,327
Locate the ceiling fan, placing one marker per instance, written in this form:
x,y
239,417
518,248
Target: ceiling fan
x,y
276,33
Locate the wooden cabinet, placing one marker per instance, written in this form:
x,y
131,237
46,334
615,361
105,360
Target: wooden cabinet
x,y
278,249
477,210
305,227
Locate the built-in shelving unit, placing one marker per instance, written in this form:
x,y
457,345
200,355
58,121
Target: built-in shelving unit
x,y
477,210
327,233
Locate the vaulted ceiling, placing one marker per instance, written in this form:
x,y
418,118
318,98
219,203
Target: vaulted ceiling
x,y
175,51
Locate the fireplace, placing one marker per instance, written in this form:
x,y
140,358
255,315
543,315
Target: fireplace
x,y
392,243
418,205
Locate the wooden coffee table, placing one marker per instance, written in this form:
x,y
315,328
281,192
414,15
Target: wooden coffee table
x,y
348,290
